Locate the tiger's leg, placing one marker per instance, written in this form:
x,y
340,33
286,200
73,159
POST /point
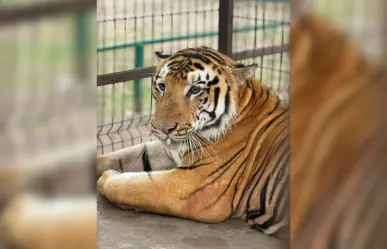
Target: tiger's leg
x,y
170,192
143,157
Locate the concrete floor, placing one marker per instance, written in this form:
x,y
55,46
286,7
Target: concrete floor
x,y
139,230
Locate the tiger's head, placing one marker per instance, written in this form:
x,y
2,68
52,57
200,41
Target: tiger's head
x,y
196,94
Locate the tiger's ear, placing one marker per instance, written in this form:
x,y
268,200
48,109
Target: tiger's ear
x,y
243,73
160,56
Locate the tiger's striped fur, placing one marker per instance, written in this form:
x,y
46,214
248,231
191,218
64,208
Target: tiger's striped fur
x,y
228,155
338,141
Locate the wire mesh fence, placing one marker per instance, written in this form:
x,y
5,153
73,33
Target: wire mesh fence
x,y
129,32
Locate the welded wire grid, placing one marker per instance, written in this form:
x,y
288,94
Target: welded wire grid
x,y
269,24
129,32
44,108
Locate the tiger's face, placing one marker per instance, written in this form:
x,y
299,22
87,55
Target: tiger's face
x,y
196,95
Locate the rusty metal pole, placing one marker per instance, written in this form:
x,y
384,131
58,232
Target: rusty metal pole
x,y
225,26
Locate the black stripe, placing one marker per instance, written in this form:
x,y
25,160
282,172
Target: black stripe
x,y
262,196
218,60
182,129
187,69
145,160
257,227
272,219
261,212
227,162
252,214
227,101
263,103
228,185
193,56
214,54
262,169
276,216
216,102
174,63
226,111
280,174
277,104
192,167
214,81
120,165
212,113
216,178
236,190
198,66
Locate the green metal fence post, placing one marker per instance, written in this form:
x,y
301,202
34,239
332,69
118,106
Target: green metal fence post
x,y
139,57
81,43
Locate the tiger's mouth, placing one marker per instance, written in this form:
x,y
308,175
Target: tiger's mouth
x,y
169,139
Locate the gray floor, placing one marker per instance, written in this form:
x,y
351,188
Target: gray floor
x,y
139,230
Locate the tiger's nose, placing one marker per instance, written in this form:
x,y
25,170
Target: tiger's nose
x,y
166,127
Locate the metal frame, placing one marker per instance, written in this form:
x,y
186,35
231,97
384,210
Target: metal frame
x,y
226,8
140,73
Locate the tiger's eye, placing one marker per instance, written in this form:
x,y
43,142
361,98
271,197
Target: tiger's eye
x,y
162,86
195,90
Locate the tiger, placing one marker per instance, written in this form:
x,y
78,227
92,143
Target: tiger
x,y
338,139
222,148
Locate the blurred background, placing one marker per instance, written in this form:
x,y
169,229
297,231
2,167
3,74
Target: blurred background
x,y
47,102
129,32
47,98
55,113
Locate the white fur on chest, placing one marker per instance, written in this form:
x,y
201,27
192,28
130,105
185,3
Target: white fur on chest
x,y
174,154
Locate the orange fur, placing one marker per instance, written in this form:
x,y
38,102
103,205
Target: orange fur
x,y
338,141
243,173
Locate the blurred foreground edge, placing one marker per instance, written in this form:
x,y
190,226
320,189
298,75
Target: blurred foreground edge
x,y
338,140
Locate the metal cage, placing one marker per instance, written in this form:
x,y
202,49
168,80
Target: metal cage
x,y
129,32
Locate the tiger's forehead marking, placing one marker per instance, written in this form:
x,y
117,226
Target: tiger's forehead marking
x,y
160,76
164,72
199,75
